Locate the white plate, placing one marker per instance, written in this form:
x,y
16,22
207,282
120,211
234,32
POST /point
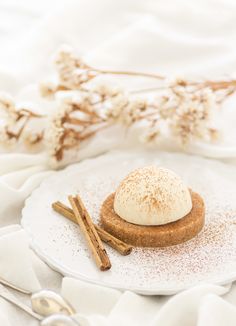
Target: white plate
x,y
209,257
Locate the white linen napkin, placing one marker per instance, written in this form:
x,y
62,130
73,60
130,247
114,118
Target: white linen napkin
x,y
184,307
215,311
4,320
19,175
16,263
97,305
89,299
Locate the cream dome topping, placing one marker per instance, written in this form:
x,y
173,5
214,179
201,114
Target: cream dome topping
x,y
152,196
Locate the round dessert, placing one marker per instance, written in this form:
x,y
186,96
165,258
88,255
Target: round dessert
x,y
153,208
152,196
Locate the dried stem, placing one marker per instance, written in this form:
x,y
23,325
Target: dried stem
x,y
129,73
213,85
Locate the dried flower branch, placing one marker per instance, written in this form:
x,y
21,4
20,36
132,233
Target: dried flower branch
x,y
182,107
75,121
16,121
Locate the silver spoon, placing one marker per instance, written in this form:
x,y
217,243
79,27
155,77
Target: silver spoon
x,y
44,303
14,287
53,320
48,302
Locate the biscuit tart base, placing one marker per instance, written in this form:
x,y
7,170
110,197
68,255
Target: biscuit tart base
x,y
154,236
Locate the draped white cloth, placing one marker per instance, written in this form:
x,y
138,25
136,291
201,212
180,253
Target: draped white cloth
x,y
171,38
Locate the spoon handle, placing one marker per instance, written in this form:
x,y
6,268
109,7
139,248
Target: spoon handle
x,y
2,281
12,299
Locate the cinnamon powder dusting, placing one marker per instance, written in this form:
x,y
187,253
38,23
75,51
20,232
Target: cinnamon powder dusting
x,y
209,257
204,256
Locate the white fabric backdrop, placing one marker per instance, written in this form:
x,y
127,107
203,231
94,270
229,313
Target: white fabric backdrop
x,y
170,37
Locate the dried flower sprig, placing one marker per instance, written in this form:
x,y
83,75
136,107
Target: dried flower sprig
x,y
182,107
75,121
16,121
186,111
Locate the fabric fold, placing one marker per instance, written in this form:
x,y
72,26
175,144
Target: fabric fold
x,y
16,264
214,311
20,174
4,320
88,298
182,309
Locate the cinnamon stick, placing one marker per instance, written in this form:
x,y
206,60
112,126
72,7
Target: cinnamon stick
x,y
86,225
117,244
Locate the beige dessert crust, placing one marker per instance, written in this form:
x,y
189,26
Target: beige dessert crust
x,y
154,236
